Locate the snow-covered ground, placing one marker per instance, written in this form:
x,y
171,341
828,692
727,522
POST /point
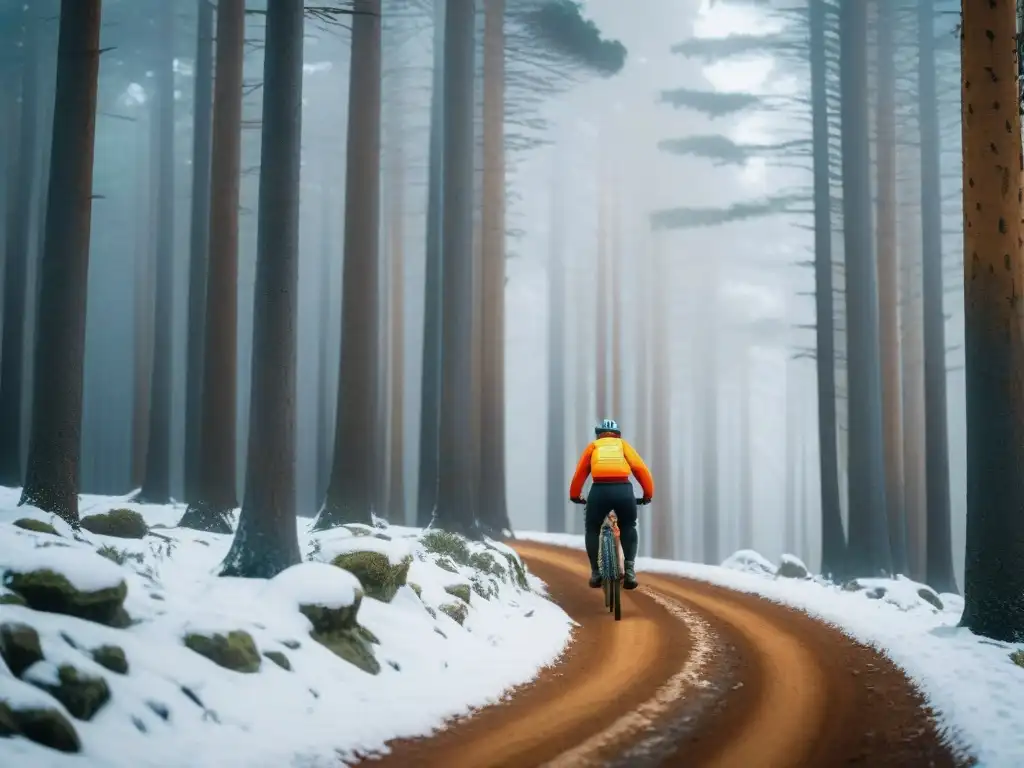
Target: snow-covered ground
x,y
975,688
133,679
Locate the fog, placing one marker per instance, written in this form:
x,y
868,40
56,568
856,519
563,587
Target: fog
x,y
744,285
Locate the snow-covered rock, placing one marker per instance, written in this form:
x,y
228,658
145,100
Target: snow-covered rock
x,y
202,670
749,561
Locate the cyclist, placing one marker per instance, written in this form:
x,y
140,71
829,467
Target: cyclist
x,y
609,460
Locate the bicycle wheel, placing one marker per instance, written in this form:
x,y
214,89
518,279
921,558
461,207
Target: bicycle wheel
x,y
617,598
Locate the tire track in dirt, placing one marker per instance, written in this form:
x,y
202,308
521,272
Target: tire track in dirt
x,y
693,675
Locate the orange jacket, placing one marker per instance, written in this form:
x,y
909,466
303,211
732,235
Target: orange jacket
x,y
611,460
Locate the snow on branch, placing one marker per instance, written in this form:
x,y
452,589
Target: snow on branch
x,y
692,218
711,103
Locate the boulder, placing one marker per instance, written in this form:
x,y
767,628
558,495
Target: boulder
x,y
82,694
447,544
235,650
791,567
8,727
378,577
280,659
457,612
47,726
46,590
929,595
460,591
111,657
37,526
120,523
445,563
11,598
336,629
19,647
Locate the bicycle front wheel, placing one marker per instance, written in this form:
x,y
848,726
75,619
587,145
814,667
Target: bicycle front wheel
x,y
617,598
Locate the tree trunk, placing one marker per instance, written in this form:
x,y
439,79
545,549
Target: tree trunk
x,y
662,524
454,511
395,506
353,486
556,475
325,416
51,481
156,485
993,334
709,417
199,243
215,495
266,541
833,538
913,406
939,545
746,468
789,512
430,391
20,197
142,326
615,270
888,282
600,318
869,532
494,508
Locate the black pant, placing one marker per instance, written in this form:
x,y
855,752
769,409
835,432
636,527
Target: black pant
x,y
603,498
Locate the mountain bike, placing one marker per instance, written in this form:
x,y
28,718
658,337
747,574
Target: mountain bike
x,y
610,561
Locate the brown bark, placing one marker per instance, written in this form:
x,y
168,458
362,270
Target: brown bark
x,y
994,332
395,500
51,482
266,541
199,241
215,493
352,491
494,505
156,485
888,281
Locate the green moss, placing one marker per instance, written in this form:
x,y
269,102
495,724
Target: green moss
x,y
1017,657
8,727
517,569
111,657
119,556
460,591
485,588
484,561
38,526
378,577
81,694
19,647
122,523
416,588
449,544
445,563
235,651
51,592
11,598
280,659
457,612
46,726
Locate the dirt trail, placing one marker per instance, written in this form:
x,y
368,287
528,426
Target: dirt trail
x,y
693,675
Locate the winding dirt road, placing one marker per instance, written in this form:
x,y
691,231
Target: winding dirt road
x,y
694,675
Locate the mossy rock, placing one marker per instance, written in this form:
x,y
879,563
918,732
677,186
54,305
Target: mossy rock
x,y
46,726
280,659
484,561
483,588
206,518
235,651
19,647
517,570
11,598
445,563
119,556
358,529
111,657
1017,657
37,526
120,523
82,695
326,620
448,544
461,591
352,646
378,577
457,612
415,588
8,727
790,568
51,592
929,595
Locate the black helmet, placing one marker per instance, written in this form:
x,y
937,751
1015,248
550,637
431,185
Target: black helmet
x,y
607,425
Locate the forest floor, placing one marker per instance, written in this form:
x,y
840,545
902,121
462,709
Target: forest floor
x,y
121,646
